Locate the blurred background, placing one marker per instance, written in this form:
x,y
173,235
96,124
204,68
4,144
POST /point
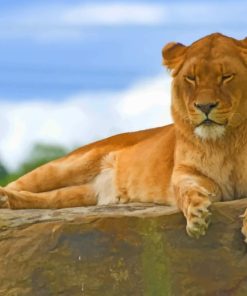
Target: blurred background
x,y
72,72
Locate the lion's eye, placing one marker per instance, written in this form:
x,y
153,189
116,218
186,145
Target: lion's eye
x,y
190,78
227,77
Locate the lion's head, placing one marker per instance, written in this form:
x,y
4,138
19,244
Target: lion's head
x,y
209,91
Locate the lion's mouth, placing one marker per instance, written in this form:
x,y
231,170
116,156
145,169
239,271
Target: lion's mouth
x,y
209,122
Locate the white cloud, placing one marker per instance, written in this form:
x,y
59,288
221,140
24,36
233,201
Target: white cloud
x,y
82,118
144,96
114,14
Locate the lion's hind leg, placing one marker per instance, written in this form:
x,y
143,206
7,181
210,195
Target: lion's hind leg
x,y
73,196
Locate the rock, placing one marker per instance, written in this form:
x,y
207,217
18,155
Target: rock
x,y
121,250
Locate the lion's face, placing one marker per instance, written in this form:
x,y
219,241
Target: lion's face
x,y
210,84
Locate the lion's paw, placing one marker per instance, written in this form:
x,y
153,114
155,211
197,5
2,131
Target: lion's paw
x,y
3,199
244,227
198,218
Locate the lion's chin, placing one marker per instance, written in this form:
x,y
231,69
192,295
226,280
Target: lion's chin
x,y
210,132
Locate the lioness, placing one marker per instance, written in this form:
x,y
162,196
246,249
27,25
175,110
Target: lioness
x,y
200,159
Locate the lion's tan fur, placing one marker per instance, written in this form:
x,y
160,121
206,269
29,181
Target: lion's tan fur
x,y
187,164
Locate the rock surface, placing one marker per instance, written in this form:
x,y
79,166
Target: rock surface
x,y
121,250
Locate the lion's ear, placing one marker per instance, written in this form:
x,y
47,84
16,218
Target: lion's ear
x,y
173,54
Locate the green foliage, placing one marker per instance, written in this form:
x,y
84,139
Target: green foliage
x,y
39,155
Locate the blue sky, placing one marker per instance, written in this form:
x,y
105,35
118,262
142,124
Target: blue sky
x,y
51,49
75,71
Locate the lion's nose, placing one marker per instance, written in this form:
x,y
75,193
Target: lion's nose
x,y
206,108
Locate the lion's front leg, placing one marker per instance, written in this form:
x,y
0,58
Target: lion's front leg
x,y
195,193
